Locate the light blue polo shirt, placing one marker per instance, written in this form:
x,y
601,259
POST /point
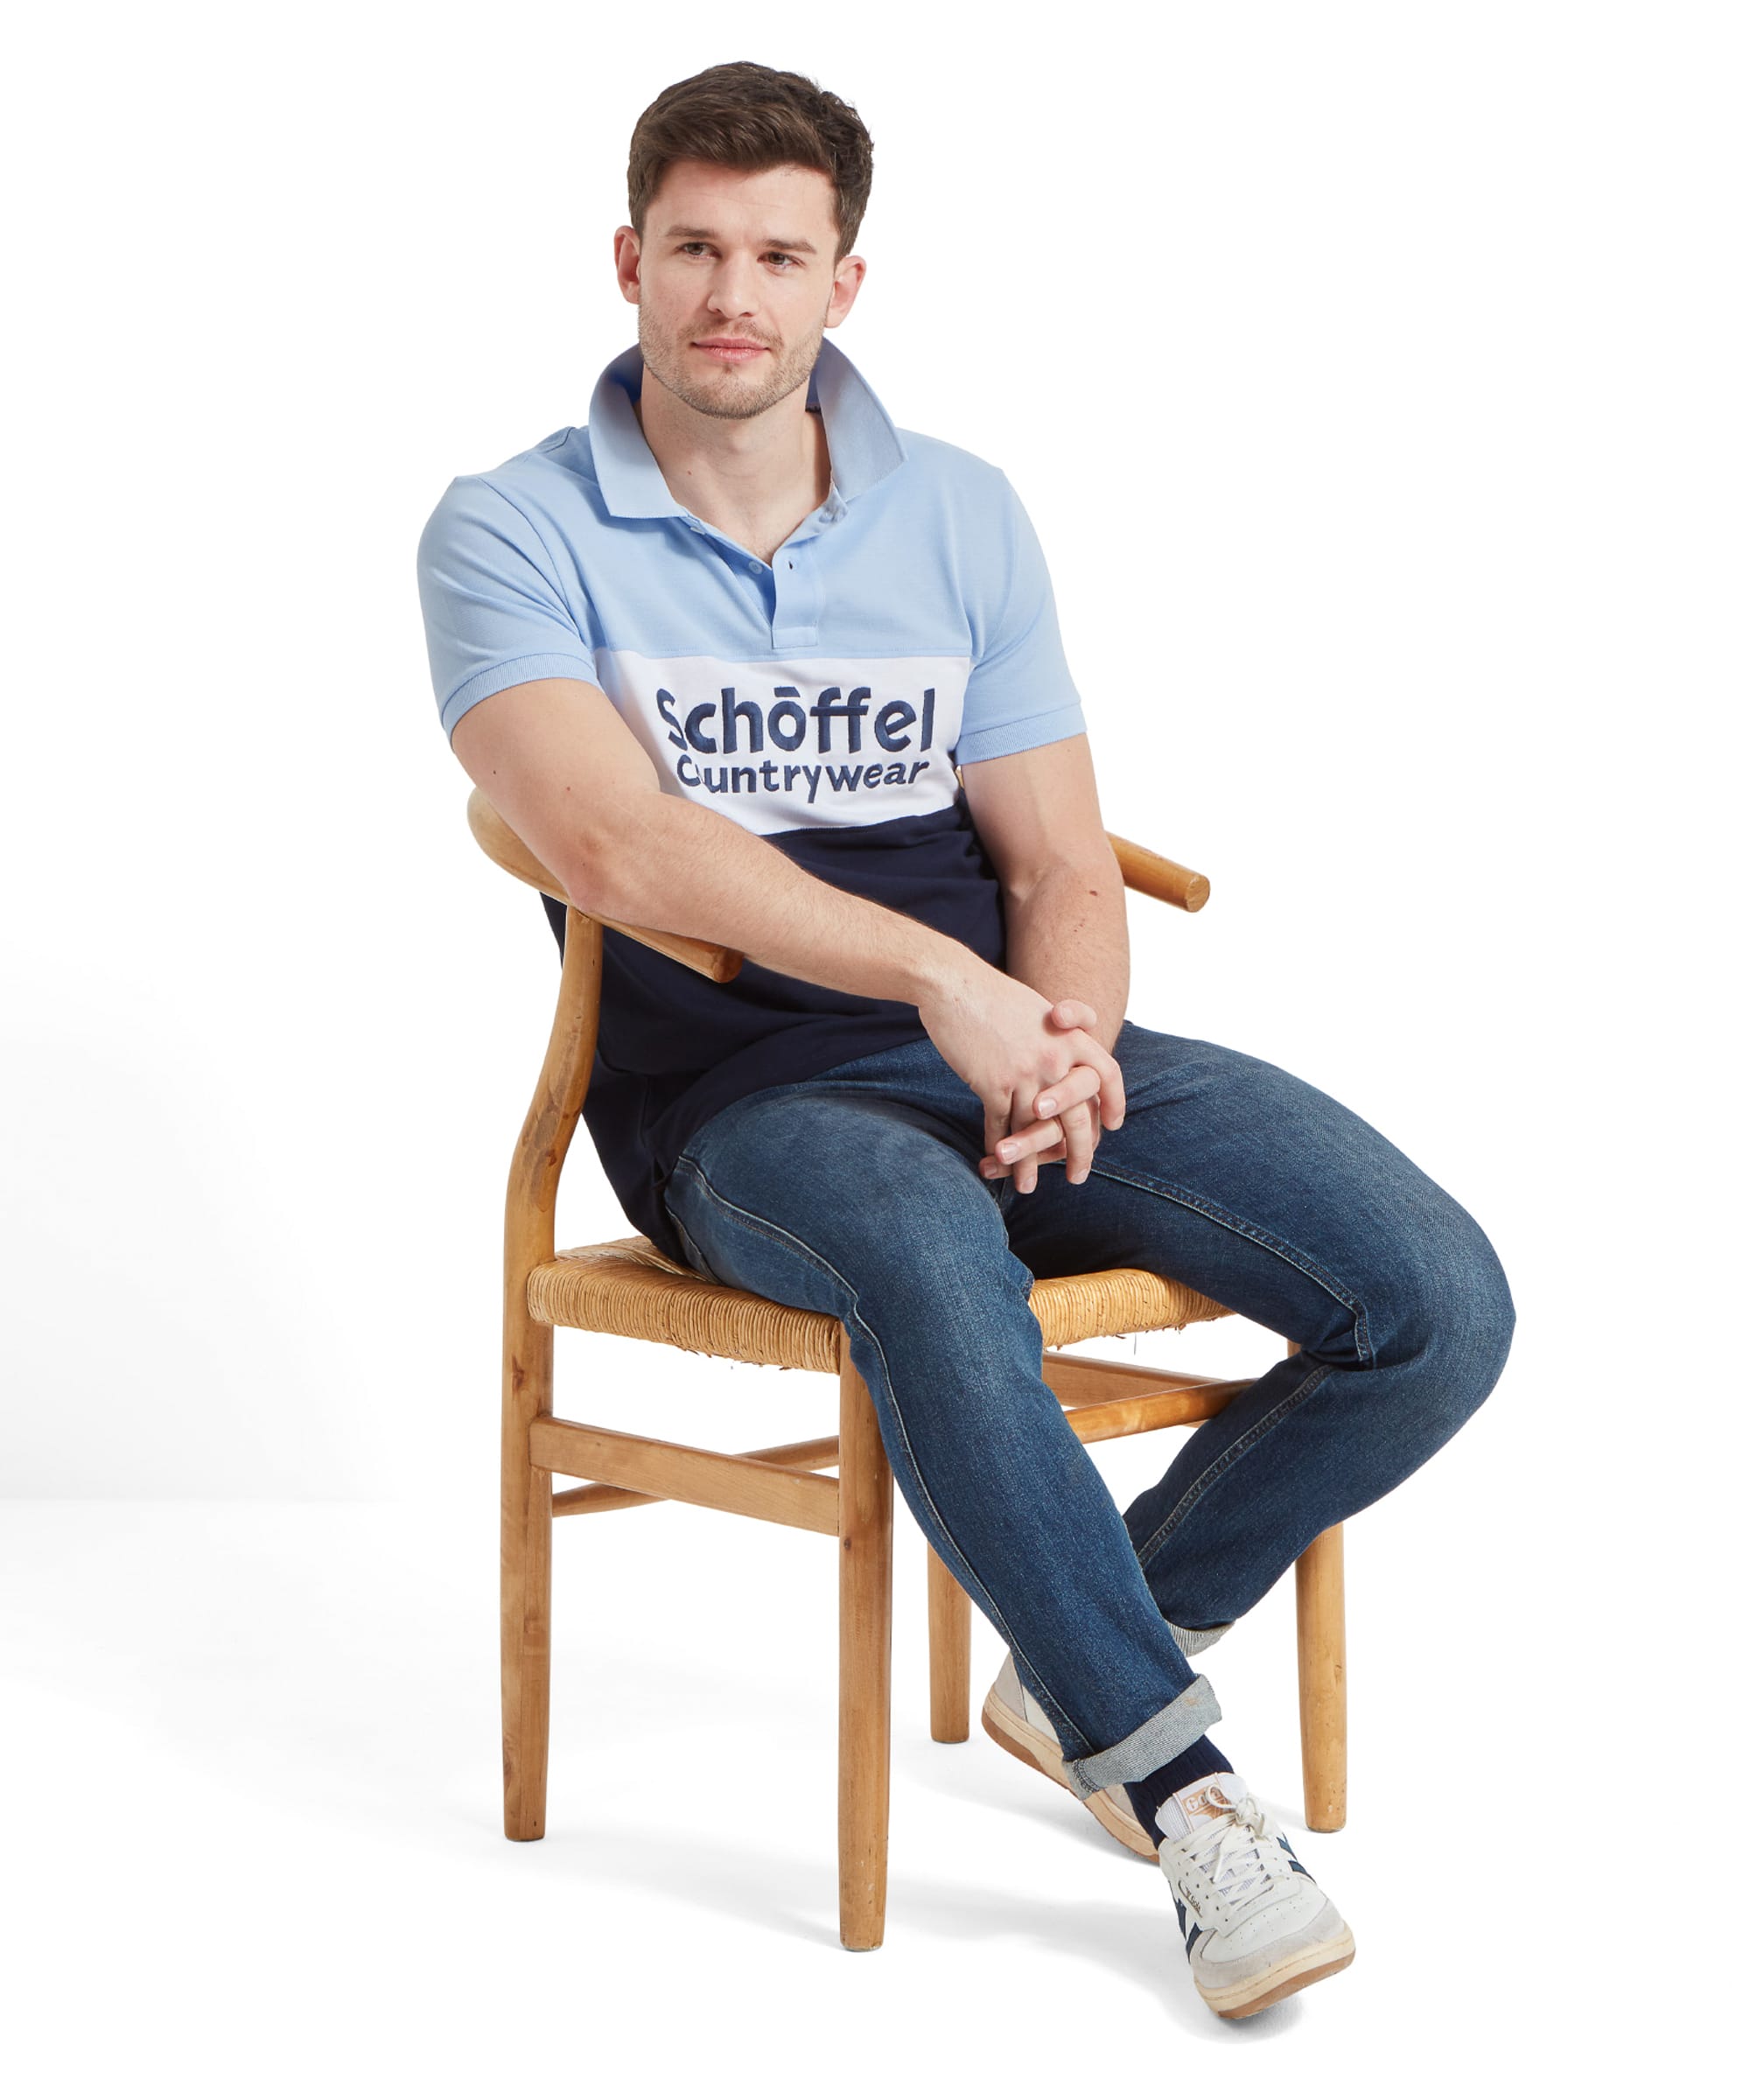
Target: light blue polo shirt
x,y
823,700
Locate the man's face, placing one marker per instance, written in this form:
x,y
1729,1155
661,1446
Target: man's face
x,y
742,258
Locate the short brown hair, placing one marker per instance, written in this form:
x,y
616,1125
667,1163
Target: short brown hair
x,y
752,117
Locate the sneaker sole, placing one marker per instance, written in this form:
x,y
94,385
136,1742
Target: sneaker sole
x,y
1010,1732
1236,2001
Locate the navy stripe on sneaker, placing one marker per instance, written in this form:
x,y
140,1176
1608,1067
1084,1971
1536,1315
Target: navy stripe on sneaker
x,y
1293,1861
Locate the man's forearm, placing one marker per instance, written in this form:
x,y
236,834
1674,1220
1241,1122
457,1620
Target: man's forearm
x,y
1066,938
676,866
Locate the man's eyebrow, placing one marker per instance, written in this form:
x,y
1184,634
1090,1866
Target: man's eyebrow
x,y
707,233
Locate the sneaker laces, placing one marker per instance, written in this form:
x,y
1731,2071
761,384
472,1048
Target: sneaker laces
x,y
1240,1854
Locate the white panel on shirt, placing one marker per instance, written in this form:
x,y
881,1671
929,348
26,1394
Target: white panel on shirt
x,y
817,740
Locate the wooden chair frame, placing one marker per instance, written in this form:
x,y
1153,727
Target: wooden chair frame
x,y
785,1484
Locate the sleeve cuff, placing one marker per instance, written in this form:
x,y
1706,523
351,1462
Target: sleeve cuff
x,y
516,671
999,740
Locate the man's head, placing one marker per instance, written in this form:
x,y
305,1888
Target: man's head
x,y
746,191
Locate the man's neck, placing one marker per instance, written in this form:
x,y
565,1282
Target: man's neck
x,y
755,481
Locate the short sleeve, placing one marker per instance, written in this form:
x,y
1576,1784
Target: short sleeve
x,y
493,613
1019,692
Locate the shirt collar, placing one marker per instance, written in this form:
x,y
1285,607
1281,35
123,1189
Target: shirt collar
x,y
864,446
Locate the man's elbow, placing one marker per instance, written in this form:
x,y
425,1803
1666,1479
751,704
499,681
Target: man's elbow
x,y
590,876
609,858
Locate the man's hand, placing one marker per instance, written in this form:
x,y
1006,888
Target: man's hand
x,y
1017,1048
1073,1128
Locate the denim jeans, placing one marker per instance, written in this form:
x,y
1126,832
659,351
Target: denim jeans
x,y
857,1193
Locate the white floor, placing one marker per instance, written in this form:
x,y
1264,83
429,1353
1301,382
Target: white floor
x,y
253,1841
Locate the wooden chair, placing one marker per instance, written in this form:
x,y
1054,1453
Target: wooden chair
x,y
627,1287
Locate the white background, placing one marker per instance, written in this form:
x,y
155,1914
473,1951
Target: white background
x,y
1370,373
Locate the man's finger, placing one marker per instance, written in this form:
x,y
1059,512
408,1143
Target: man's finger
x,y
1016,1146
1082,1083
1073,1013
1113,1085
1079,1143
996,1121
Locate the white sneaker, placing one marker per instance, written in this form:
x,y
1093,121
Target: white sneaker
x,y
1256,1924
1019,1724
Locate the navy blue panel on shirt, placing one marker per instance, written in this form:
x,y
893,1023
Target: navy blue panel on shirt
x,y
655,1083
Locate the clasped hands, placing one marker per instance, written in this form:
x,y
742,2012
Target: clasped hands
x,y
1071,1115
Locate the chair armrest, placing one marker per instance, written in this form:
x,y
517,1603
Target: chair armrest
x,y
505,848
1165,879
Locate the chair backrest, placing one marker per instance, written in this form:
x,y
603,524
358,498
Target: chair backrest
x,y
556,1107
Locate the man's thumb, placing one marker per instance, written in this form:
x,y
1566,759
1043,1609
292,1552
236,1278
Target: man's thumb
x,y
1073,1013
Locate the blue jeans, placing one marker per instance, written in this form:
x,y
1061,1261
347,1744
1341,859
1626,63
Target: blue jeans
x,y
857,1193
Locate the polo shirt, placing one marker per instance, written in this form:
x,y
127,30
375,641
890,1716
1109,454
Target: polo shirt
x,y
823,700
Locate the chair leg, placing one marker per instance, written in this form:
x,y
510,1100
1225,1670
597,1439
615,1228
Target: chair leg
x,y
527,1371
866,1527
947,1628
1319,1657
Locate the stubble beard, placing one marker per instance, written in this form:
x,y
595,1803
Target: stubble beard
x,y
728,392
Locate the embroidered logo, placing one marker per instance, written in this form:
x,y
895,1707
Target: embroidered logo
x,y
797,742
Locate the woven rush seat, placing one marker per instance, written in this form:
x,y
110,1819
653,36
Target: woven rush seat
x,y
628,1287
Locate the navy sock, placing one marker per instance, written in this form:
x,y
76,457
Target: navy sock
x,y
1197,1761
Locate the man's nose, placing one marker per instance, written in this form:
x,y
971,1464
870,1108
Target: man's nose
x,y
732,288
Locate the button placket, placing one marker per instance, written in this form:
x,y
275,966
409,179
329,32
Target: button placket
x,y
797,596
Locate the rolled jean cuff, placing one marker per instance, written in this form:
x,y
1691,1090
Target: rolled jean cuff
x,y
1192,1639
1160,1739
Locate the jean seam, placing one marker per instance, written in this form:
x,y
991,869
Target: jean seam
x,y
780,1235
691,1248
1269,1240
1237,1450
696,1260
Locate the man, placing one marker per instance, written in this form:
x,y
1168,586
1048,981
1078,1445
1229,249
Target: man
x,y
718,657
